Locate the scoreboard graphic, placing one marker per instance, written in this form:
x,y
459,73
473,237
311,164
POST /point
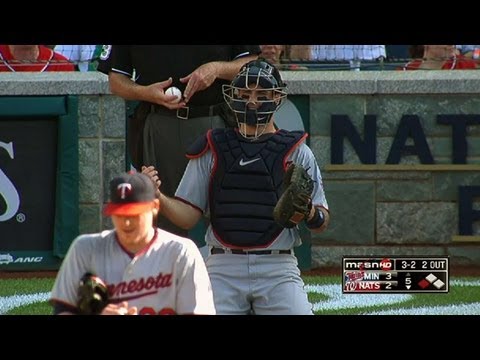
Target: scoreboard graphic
x,y
400,274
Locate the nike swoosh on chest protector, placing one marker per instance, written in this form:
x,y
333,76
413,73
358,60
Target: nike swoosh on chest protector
x,y
243,163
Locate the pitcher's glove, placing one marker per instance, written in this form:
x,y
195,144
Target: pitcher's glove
x,y
296,201
92,295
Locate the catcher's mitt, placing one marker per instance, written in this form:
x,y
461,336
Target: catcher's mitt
x,y
92,295
295,203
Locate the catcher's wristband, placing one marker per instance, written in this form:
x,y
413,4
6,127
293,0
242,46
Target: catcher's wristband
x,y
317,220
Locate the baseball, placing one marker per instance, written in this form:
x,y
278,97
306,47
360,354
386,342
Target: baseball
x,y
174,91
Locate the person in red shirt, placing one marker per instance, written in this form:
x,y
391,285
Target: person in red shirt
x,y
34,58
440,57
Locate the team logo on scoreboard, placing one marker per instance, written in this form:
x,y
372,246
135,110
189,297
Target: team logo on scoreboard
x,y
360,281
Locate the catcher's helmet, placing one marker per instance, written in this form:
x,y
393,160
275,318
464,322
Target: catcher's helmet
x,y
255,75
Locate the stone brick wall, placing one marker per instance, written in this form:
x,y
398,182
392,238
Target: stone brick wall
x,y
101,155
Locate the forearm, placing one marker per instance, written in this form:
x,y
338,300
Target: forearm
x,y
227,70
121,85
179,213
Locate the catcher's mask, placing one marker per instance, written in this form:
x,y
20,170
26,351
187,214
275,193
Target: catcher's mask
x,y
257,75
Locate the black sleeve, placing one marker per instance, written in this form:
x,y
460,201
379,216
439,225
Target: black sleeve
x,y
121,60
104,59
245,50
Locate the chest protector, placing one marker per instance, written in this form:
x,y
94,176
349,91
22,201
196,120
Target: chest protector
x,y
245,185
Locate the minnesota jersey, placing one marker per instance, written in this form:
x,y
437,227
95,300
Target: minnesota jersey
x,y
167,277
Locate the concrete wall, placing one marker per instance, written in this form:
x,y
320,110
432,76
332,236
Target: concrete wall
x,y
375,210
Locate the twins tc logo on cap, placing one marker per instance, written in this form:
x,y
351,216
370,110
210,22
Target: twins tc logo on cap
x,y
130,194
124,190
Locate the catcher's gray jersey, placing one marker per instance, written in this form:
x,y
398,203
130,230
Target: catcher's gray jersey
x,y
167,277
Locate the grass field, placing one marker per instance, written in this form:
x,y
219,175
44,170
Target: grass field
x,y
29,297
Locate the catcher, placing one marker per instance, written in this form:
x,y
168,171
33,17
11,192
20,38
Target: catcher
x,y
243,179
135,268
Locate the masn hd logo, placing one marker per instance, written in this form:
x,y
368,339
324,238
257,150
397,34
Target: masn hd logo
x,y
367,264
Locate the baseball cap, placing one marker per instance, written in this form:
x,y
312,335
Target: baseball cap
x,y
130,194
